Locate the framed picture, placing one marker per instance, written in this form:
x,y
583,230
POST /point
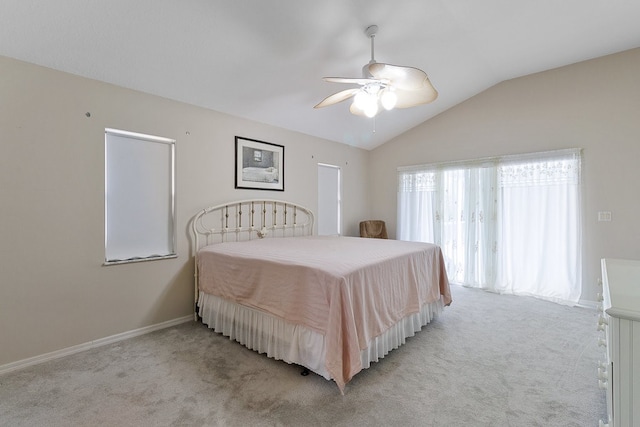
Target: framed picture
x,y
259,165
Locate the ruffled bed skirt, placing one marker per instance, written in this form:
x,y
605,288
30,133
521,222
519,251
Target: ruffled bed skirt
x,y
296,344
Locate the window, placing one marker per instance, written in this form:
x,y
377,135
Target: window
x,y
328,200
139,197
510,224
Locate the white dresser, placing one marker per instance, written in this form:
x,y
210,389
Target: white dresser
x,y
620,321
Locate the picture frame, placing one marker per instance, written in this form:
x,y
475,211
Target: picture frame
x,y
259,165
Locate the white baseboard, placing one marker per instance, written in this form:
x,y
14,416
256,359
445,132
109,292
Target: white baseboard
x,y
20,364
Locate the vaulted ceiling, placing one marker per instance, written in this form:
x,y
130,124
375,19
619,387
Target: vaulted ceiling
x,y
264,59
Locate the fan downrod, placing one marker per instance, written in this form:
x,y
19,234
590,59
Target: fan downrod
x,y
370,31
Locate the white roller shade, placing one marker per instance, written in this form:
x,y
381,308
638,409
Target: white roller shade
x,y
139,197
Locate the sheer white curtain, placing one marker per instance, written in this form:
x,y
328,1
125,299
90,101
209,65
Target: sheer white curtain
x,y
509,224
540,232
418,207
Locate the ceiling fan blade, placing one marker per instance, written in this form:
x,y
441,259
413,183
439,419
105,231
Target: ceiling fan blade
x,y
405,78
413,98
359,81
337,97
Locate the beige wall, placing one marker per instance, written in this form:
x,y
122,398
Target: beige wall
x,y
594,105
54,291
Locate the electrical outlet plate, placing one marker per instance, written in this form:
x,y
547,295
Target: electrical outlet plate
x,y
604,216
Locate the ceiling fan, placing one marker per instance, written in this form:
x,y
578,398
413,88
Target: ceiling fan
x,y
383,85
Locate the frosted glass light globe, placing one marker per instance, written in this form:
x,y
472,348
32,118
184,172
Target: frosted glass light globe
x,y
371,109
388,99
360,100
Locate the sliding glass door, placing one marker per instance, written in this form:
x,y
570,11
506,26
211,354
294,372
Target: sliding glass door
x,y
510,224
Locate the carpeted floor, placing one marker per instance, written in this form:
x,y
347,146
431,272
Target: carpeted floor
x,y
487,360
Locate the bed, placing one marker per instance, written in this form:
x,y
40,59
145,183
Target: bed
x,y
328,303
255,174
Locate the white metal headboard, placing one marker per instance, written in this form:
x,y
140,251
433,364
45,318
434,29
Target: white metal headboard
x,y
246,220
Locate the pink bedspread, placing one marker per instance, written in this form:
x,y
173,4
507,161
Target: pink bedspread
x,y
349,289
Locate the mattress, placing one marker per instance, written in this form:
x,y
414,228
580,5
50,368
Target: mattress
x,y
345,293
